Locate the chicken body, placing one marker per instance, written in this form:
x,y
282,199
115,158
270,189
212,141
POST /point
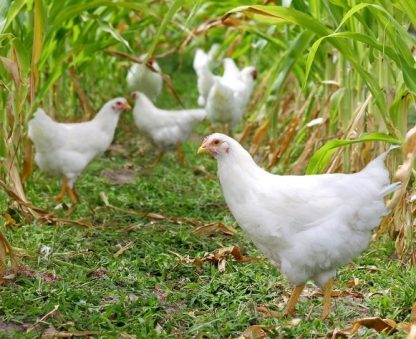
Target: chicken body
x,y
142,78
306,225
65,149
205,78
165,128
230,94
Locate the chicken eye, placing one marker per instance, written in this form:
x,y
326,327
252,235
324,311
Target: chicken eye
x,y
119,103
216,142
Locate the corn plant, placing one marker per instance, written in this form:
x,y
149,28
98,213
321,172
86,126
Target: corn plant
x,y
332,73
356,60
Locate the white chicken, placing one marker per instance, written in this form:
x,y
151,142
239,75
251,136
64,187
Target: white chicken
x,y
165,128
230,94
205,77
65,149
203,63
306,225
141,78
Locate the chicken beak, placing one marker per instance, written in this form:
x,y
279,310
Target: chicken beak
x,y
126,106
202,149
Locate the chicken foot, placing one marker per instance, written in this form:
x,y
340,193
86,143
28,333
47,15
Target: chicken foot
x,y
61,194
291,304
156,161
65,189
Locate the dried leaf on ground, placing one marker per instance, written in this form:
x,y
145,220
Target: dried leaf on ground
x,y
51,332
6,250
387,326
268,313
117,149
119,176
132,228
46,316
257,331
99,273
220,256
46,277
214,228
49,277
353,283
122,249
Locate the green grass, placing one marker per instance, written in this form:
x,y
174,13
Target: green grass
x,y
147,291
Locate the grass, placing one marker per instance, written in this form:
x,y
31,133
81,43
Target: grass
x,y
147,291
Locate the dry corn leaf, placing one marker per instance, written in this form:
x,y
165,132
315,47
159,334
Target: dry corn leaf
x,y
83,98
46,316
353,283
214,228
99,273
27,159
10,222
123,249
6,250
388,326
156,216
131,228
268,313
218,257
410,142
412,329
53,333
259,136
256,331
119,176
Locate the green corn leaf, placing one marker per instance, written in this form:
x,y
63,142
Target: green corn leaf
x,y
166,19
13,9
76,10
322,156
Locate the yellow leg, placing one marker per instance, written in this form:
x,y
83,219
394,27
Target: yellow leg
x,y
156,161
291,304
327,290
64,188
181,155
72,195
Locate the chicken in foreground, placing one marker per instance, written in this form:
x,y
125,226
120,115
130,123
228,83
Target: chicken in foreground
x,y
306,225
65,149
165,128
141,78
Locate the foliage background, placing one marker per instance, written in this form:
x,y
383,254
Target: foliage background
x,y
347,62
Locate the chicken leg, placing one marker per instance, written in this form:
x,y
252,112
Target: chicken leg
x,y
327,290
72,195
181,155
156,161
291,304
64,188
